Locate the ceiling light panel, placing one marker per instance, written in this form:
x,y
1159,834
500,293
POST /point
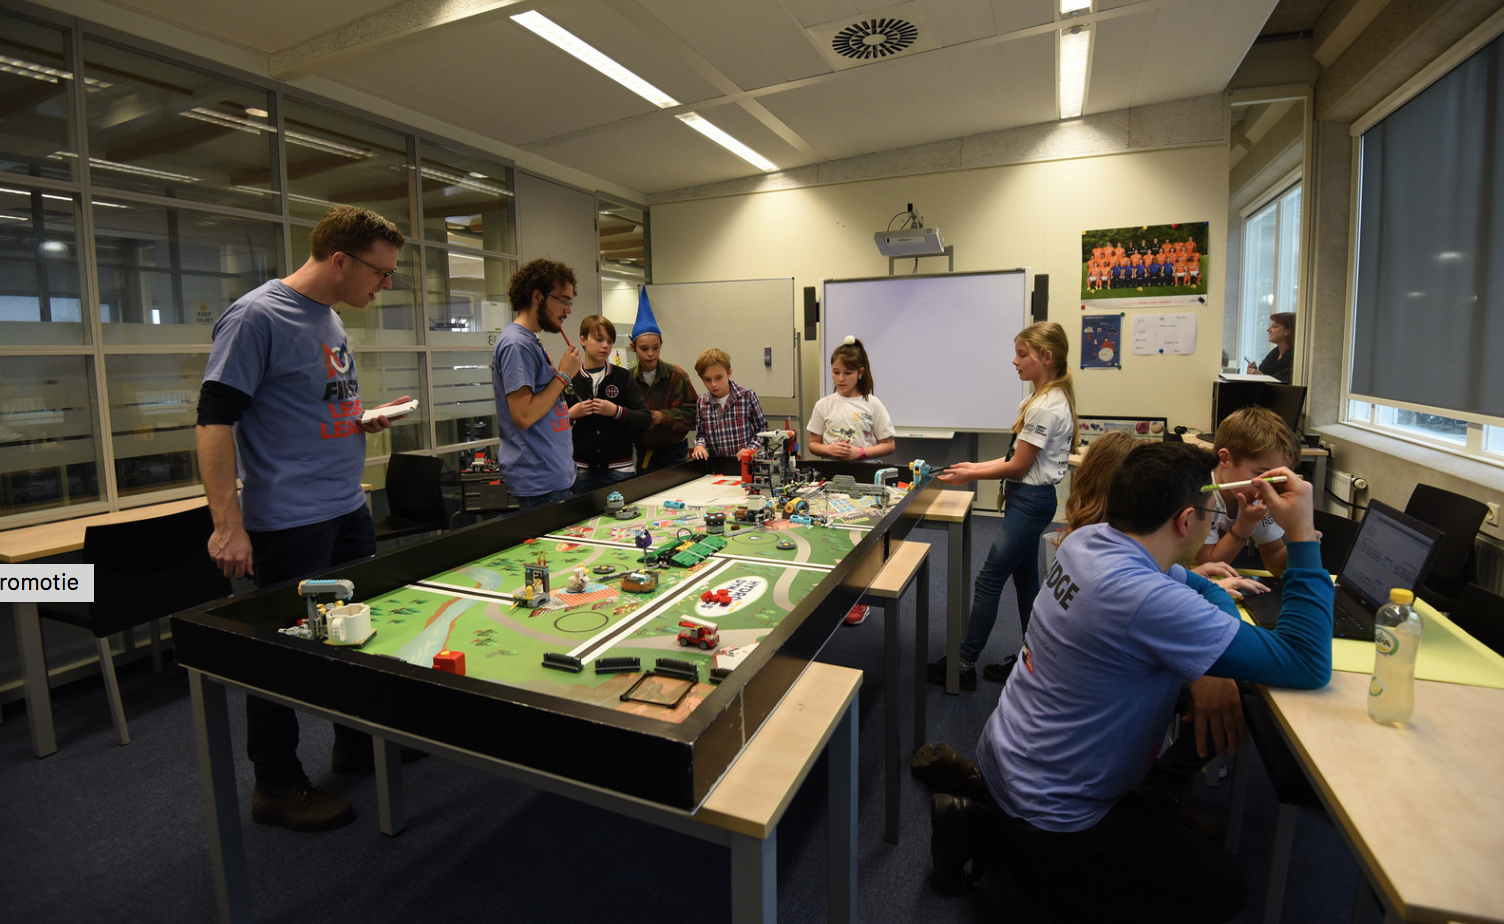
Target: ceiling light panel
x,y
1075,56
695,121
567,41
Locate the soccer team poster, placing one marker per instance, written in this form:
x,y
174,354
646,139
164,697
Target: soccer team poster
x,y
1146,265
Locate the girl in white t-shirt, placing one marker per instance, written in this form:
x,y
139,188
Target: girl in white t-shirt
x,y
1045,434
851,425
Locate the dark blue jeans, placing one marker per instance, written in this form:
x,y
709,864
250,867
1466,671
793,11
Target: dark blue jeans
x,y
271,730
552,497
1028,510
651,460
587,480
1135,865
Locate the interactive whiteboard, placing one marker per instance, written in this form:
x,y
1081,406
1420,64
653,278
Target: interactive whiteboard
x,y
941,346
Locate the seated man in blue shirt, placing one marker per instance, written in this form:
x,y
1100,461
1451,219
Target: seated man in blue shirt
x,y
1115,633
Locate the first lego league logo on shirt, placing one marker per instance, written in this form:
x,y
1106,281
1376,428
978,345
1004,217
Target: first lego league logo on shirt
x,y
47,583
343,395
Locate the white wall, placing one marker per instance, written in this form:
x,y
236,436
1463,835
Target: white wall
x,y
997,217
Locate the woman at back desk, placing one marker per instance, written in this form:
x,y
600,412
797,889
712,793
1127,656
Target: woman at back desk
x,y
1280,362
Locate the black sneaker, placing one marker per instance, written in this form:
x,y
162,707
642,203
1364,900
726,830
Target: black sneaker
x,y
300,807
950,843
999,673
936,672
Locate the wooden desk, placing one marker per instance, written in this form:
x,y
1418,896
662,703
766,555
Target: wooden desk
x,y
1421,807
48,540
29,543
907,561
742,812
32,543
951,510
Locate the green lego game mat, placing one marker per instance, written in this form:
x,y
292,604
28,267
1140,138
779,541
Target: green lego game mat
x,y
481,609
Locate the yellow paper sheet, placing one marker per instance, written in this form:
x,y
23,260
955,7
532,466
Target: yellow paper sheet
x,y
1447,653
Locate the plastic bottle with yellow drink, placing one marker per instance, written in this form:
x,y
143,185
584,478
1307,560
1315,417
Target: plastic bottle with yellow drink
x,y
1396,637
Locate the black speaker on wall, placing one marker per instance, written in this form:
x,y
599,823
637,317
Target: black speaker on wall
x,y
1039,309
811,314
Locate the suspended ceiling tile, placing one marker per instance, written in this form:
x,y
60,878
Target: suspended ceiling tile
x,y
265,26
755,44
1013,15
649,156
1117,58
1029,66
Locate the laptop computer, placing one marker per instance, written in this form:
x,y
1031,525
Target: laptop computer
x,y
1391,550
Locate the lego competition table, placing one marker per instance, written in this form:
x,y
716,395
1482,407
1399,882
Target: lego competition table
x,y
1419,806
536,644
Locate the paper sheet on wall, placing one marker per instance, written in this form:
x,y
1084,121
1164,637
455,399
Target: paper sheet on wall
x,y
1164,333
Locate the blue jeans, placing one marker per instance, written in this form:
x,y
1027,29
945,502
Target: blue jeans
x,y
587,480
552,497
1015,553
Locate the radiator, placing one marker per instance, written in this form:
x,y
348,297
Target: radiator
x,y
1490,554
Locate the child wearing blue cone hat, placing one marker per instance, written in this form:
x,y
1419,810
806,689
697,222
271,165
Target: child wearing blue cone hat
x,y
669,391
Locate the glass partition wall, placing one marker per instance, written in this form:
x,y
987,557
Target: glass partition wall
x,y
140,196
1268,222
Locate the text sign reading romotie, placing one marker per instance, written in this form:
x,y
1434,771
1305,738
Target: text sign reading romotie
x,y
41,583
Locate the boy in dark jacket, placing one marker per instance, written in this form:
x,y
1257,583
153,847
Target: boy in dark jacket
x,y
670,395
606,407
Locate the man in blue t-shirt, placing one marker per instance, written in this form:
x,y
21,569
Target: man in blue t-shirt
x,y
1116,632
537,450
280,387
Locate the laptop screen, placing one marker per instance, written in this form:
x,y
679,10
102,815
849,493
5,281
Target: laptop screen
x,y
1387,553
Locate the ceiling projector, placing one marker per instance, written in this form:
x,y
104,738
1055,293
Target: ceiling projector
x,y
910,242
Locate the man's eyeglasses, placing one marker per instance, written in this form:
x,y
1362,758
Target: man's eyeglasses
x,y
385,274
566,302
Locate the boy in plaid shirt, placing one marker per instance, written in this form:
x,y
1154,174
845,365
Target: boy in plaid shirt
x,y
728,417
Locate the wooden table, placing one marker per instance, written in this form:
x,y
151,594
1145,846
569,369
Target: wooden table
x,y
951,510
48,540
907,561
32,543
1421,807
742,812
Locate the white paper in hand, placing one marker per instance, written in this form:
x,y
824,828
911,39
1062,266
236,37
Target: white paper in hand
x,y
392,412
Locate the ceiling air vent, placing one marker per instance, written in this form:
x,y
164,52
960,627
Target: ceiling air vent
x,y
874,38
880,35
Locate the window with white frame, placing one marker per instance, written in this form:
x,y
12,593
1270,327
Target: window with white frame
x,y
1271,271
1428,294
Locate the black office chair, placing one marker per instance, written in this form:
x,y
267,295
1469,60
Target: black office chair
x,y
414,495
1337,536
143,570
1456,564
1480,613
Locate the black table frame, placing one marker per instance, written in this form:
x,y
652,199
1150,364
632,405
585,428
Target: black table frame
x,y
672,764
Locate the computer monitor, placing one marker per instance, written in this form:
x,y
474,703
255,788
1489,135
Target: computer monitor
x,y
1288,401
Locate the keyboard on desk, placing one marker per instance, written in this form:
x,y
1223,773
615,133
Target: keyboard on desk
x,y
1347,614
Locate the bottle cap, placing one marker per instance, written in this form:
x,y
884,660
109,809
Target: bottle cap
x,y
1402,597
